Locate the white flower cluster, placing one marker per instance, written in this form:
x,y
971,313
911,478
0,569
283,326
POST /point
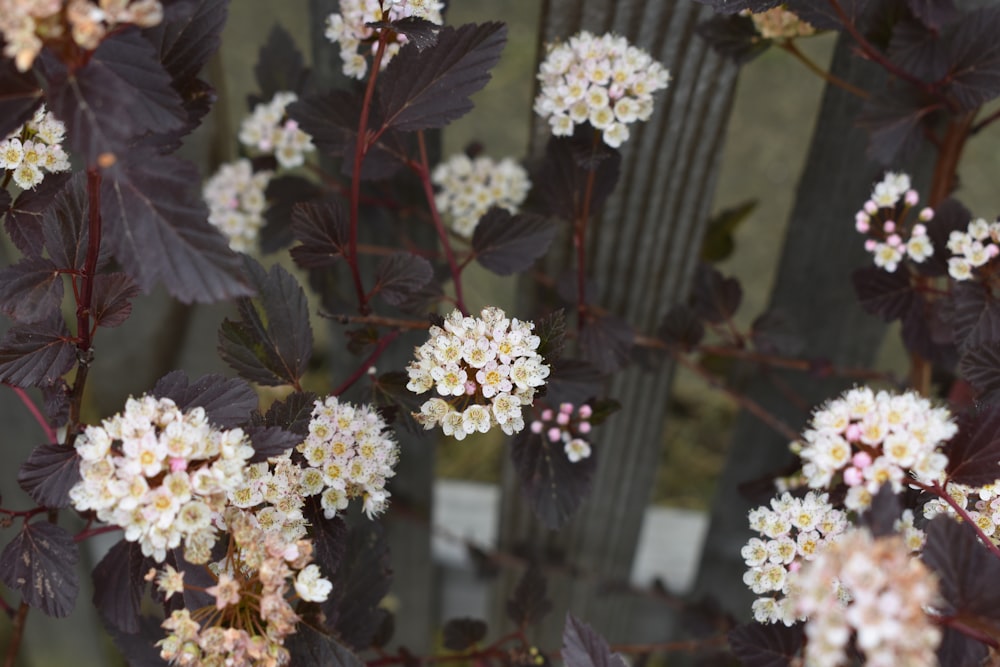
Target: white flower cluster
x,y
565,427
982,505
349,455
794,530
780,23
871,439
35,148
236,202
883,220
349,28
973,248
273,492
603,80
24,24
880,598
469,187
161,474
485,368
268,131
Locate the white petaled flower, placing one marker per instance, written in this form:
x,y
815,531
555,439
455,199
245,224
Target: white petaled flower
x,y
880,598
311,586
133,477
34,149
349,28
791,530
892,232
354,452
236,202
468,188
268,131
981,503
602,80
973,248
483,369
868,439
780,23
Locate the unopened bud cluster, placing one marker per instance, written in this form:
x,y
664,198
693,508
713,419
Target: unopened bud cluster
x,y
780,23
236,202
484,369
469,187
252,613
884,221
867,439
350,28
269,131
792,531
973,248
26,25
161,474
601,80
34,149
566,426
873,590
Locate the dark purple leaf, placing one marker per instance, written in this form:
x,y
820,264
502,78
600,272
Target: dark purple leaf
x,y
682,326
737,6
602,409
292,414
359,584
56,402
881,516
759,645
562,180
894,116
428,89
976,315
926,333
974,453
462,633
968,574
321,228
734,37
551,331
19,96
507,244
227,402
310,648
606,341
119,585
980,366
950,215
121,94
40,563
888,295
957,648
582,647
272,341
36,354
553,485
157,226
419,32
401,275
284,194
329,536
974,55
49,473
31,290
917,50
24,219
934,13
573,381
773,332
65,225
396,401
714,297
113,294
268,441
530,602
139,648
188,36
280,66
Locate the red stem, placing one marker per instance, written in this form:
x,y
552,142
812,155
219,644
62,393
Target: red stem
x,y
36,413
367,363
872,53
939,491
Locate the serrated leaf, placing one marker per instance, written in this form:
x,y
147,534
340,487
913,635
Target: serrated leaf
x,y
974,55
121,94
391,395
329,536
462,633
139,648
399,276
188,35
933,13
976,315
980,366
31,290
292,414
959,649
113,294
917,50
714,297
227,402
19,96
773,645
950,215
280,65
56,402
927,333
268,441
682,326
573,381
881,516
321,228
272,342
284,194
974,452
36,354
359,584
507,244
582,647
419,32
551,332
49,473
773,332
24,221
606,341
888,295
968,574
530,602
553,485
119,584
40,563
894,116
157,226
562,181
310,648
734,37
65,225
427,89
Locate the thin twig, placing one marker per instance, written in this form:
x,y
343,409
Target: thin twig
x,y
367,363
831,79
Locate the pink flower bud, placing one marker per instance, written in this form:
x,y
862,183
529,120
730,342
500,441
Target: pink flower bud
x,y
889,227
919,230
871,207
927,214
853,433
470,388
853,476
894,240
291,125
794,566
584,427
870,245
862,226
555,434
861,460
536,426
585,411
546,415
911,197
178,464
562,419
566,408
